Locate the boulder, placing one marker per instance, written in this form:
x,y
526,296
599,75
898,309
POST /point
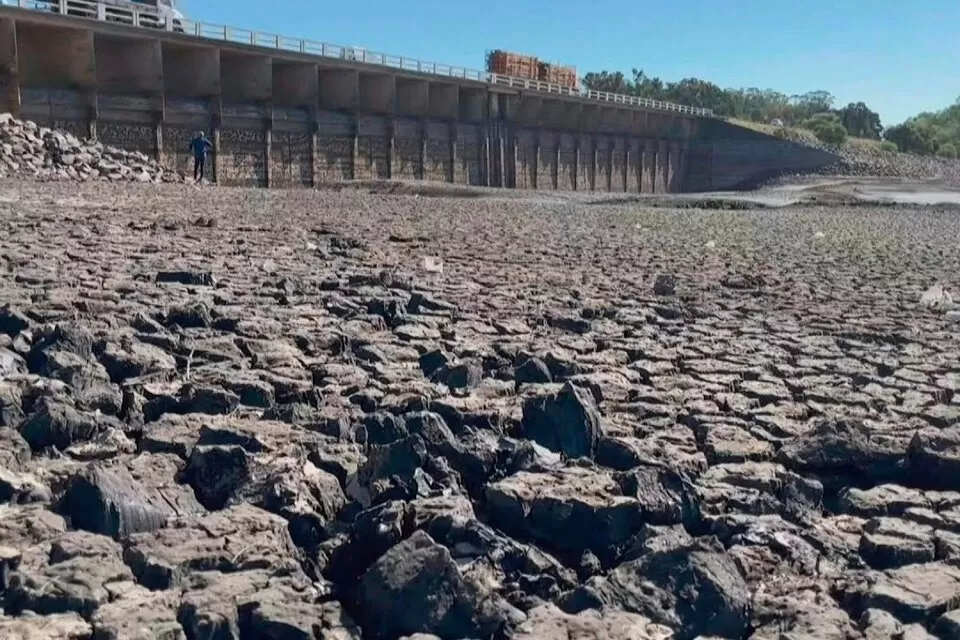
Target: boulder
x,y
240,538
695,590
569,510
935,458
547,622
74,577
416,587
566,422
850,447
134,497
888,543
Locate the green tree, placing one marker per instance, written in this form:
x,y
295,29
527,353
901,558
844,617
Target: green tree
x,y
606,81
860,121
947,150
910,138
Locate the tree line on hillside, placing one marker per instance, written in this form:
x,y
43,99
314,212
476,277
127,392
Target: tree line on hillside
x,y
928,133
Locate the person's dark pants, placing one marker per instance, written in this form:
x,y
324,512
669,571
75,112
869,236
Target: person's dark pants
x,y
198,162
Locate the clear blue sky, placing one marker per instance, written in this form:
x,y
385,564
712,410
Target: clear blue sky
x,y
899,56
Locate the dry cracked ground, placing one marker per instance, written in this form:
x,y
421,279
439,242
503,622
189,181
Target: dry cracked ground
x,y
249,414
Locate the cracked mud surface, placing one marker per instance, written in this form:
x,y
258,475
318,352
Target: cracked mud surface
x,y
250,414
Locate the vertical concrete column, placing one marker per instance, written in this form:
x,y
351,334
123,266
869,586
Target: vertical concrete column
x,y
216,121
486,157
268,149
610,146
626,166
314,146
453,152
314,139
9,73
391,147
535,178
355,147
576,165
423,149
502,157
556,165
158,139
593,174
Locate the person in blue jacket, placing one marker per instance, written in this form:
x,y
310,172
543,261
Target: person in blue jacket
x,y
199,146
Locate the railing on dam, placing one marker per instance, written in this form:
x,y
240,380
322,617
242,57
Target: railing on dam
x,y
148,17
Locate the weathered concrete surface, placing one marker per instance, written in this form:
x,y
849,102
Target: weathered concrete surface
x,y
148,89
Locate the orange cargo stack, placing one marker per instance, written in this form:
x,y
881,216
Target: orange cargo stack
x,y
513,64
558,74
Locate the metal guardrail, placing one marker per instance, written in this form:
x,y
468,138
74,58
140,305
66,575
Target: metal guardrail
x,y
149,17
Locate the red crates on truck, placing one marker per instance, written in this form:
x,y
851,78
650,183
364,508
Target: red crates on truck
x,y
558,74
516,65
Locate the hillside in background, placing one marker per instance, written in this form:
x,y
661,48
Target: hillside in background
x,y
807,117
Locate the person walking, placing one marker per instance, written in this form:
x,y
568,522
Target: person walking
x,y
199,146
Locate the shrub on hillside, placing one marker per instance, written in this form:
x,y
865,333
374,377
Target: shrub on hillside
x,y
947,150
889,146
827,127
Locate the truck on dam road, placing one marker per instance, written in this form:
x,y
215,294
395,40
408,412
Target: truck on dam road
x,y
156,14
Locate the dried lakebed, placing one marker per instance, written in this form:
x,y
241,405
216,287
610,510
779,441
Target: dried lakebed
x,y
252,414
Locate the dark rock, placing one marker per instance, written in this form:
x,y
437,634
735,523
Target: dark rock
x,y
58,626
196,315
695,590
122,499
417,587
12,322
294,609
69,339
532,371
11,364
218,474
384,428
850,447
547,622
566,422
133,359
57,424
136,612
464,375
917,593
14,450
74,577
194,278
882,500
569,510
433,361
11,405
21,488
665,285
240,538
935,458
888,543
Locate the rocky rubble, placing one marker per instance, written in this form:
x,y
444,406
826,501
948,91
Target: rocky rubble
x,y
29,150
870,161
281,425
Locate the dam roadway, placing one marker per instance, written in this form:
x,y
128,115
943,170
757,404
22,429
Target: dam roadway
x,y
286,112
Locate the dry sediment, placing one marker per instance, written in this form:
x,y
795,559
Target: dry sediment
x,y
250,414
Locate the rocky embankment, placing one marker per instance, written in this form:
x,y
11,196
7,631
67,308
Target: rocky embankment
x,y
28,150
236,414
867,161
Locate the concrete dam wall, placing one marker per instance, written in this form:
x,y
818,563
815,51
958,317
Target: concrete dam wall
x,y
282,118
